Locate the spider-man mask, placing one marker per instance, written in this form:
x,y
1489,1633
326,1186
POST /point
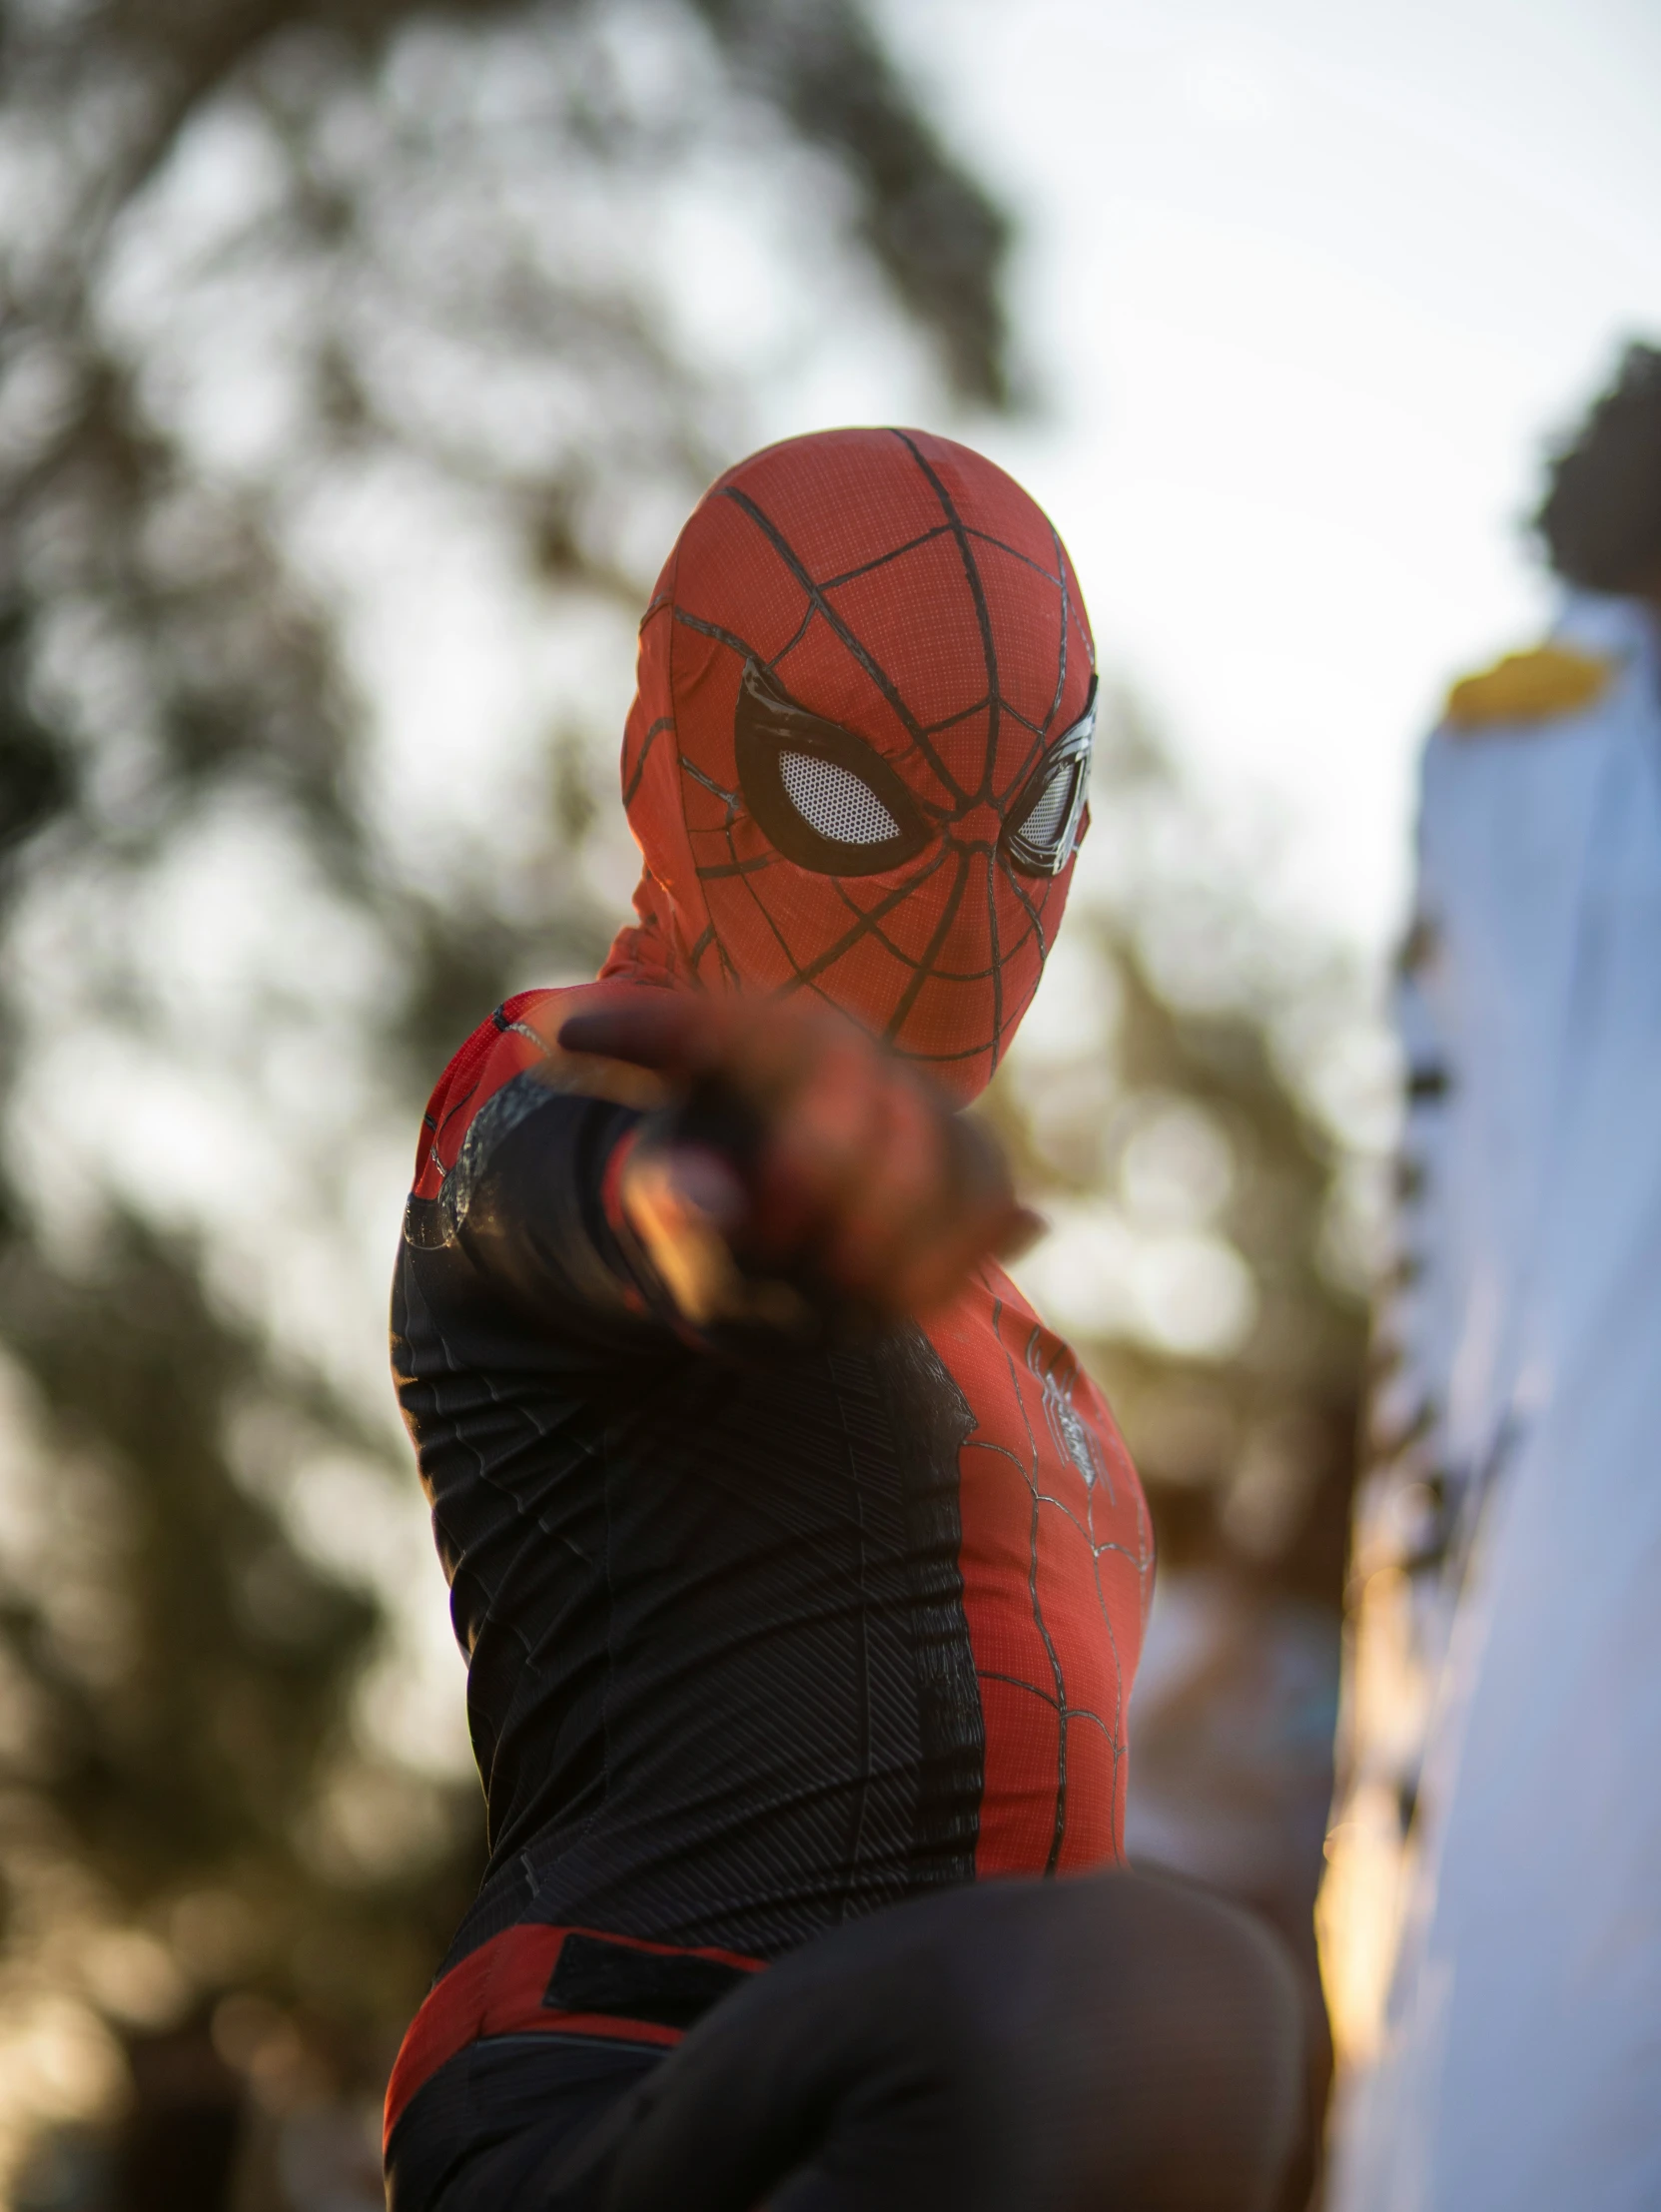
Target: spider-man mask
x,y
856,762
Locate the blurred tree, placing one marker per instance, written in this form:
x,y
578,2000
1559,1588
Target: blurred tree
x,y
260,259
1177,1105
1236,1368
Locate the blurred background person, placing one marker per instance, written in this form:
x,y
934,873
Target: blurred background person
x,y
1505,1691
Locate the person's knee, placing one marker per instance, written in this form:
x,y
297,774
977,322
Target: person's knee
x,y
1054,2047
1171,2072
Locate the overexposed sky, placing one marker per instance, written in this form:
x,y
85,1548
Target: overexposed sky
x,y
1304,285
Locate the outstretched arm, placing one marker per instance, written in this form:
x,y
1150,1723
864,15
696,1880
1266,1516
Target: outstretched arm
x,y
798,1170
627,1157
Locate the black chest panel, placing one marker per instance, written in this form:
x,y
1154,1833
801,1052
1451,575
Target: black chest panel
x,y
720,1681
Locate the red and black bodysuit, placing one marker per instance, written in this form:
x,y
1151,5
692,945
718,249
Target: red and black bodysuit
x,y
760,1644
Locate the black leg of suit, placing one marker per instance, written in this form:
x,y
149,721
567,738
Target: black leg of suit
x,y
1111,2043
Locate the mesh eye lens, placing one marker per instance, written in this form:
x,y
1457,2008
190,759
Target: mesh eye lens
x,y
1043,824
1047,818
834,801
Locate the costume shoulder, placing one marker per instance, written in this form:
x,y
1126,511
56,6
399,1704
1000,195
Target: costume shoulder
x,y
521,1038
1524,688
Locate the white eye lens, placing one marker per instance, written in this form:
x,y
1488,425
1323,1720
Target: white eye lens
x,y
835,801
1047,816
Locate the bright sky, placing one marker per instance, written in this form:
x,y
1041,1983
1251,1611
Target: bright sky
x,y
1306,284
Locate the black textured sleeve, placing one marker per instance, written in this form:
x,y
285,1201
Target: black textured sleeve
x,y
526,1210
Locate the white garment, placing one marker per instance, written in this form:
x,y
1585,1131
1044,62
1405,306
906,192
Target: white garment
x,y
1520,2067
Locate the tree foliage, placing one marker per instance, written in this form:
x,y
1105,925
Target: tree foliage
x,y
1207,1246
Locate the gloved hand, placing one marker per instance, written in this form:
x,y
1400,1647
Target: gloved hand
x,y
800,1164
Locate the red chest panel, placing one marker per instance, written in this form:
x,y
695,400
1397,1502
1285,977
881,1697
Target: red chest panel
x,y
1057,1566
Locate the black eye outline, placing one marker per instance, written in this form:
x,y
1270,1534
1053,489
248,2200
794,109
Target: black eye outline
x,y
767,724
1070,752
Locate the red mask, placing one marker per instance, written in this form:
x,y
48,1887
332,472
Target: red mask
x,y
856,761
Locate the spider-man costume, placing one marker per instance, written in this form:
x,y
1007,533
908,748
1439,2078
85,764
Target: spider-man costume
x,y
771,1621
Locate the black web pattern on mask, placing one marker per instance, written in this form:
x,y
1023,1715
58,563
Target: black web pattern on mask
x,y
1074,1440
866,924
